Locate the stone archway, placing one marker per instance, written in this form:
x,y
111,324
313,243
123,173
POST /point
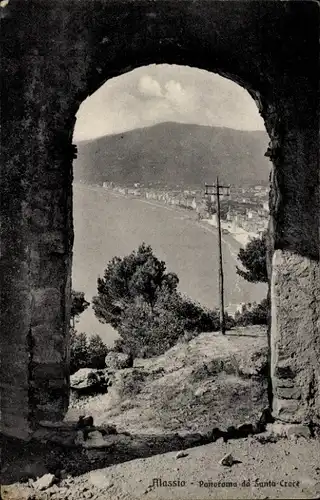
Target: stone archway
x,y
51,65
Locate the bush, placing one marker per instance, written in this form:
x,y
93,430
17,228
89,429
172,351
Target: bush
x,y
140,299
257,315
78,350
146,333
86,353
254,260
97,351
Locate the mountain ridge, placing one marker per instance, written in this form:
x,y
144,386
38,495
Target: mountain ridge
x,y
171,153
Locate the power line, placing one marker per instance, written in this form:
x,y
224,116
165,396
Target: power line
x,y
217,187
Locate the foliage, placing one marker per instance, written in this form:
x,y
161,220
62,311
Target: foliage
x,y
191,314
139,275
139,299
254,260
86,353
257,315
97,351
78,350
148,333
78,305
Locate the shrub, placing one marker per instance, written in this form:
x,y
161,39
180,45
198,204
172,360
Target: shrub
x,y
257,315
140,299
254,260
97,351
78,350
78,306
86,353
146,333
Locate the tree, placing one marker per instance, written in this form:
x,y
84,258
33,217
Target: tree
x,y
254,260
78,350
138,276
149,333
86,352
138,298
78,306
96,353
257,315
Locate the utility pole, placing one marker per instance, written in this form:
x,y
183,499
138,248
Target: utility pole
x,y
216,187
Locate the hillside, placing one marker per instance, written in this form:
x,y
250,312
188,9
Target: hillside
x,y
170,414
173,153
210,381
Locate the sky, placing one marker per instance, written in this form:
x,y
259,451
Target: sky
x,y
159,93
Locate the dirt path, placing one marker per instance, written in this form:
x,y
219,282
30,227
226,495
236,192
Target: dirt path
x,y
286,469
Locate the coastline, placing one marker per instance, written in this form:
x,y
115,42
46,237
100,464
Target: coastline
x,y
94,246
240,237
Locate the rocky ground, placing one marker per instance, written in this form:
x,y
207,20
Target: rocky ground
x,y
188,424
210,381
288,468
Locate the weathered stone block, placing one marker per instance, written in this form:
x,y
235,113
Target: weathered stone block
x,y
47,306
40,219
14,411
54,242
295,346
48,371
289,392
281,383
48,346
288,410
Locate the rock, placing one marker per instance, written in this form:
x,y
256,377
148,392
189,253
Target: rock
x,y
201,391
107,429
17,492
276,431
95,439
298,431
53,489
227,460
266,437
118,360
61,474
182,454
44,482
85,421
89,381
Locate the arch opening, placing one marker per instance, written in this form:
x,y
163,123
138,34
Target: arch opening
x,y
181,112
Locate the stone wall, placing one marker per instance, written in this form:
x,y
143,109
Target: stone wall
x,y
55,54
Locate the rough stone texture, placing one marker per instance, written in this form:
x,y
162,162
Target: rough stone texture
x,y
118,360
44,482
58,53
90,381
295,342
